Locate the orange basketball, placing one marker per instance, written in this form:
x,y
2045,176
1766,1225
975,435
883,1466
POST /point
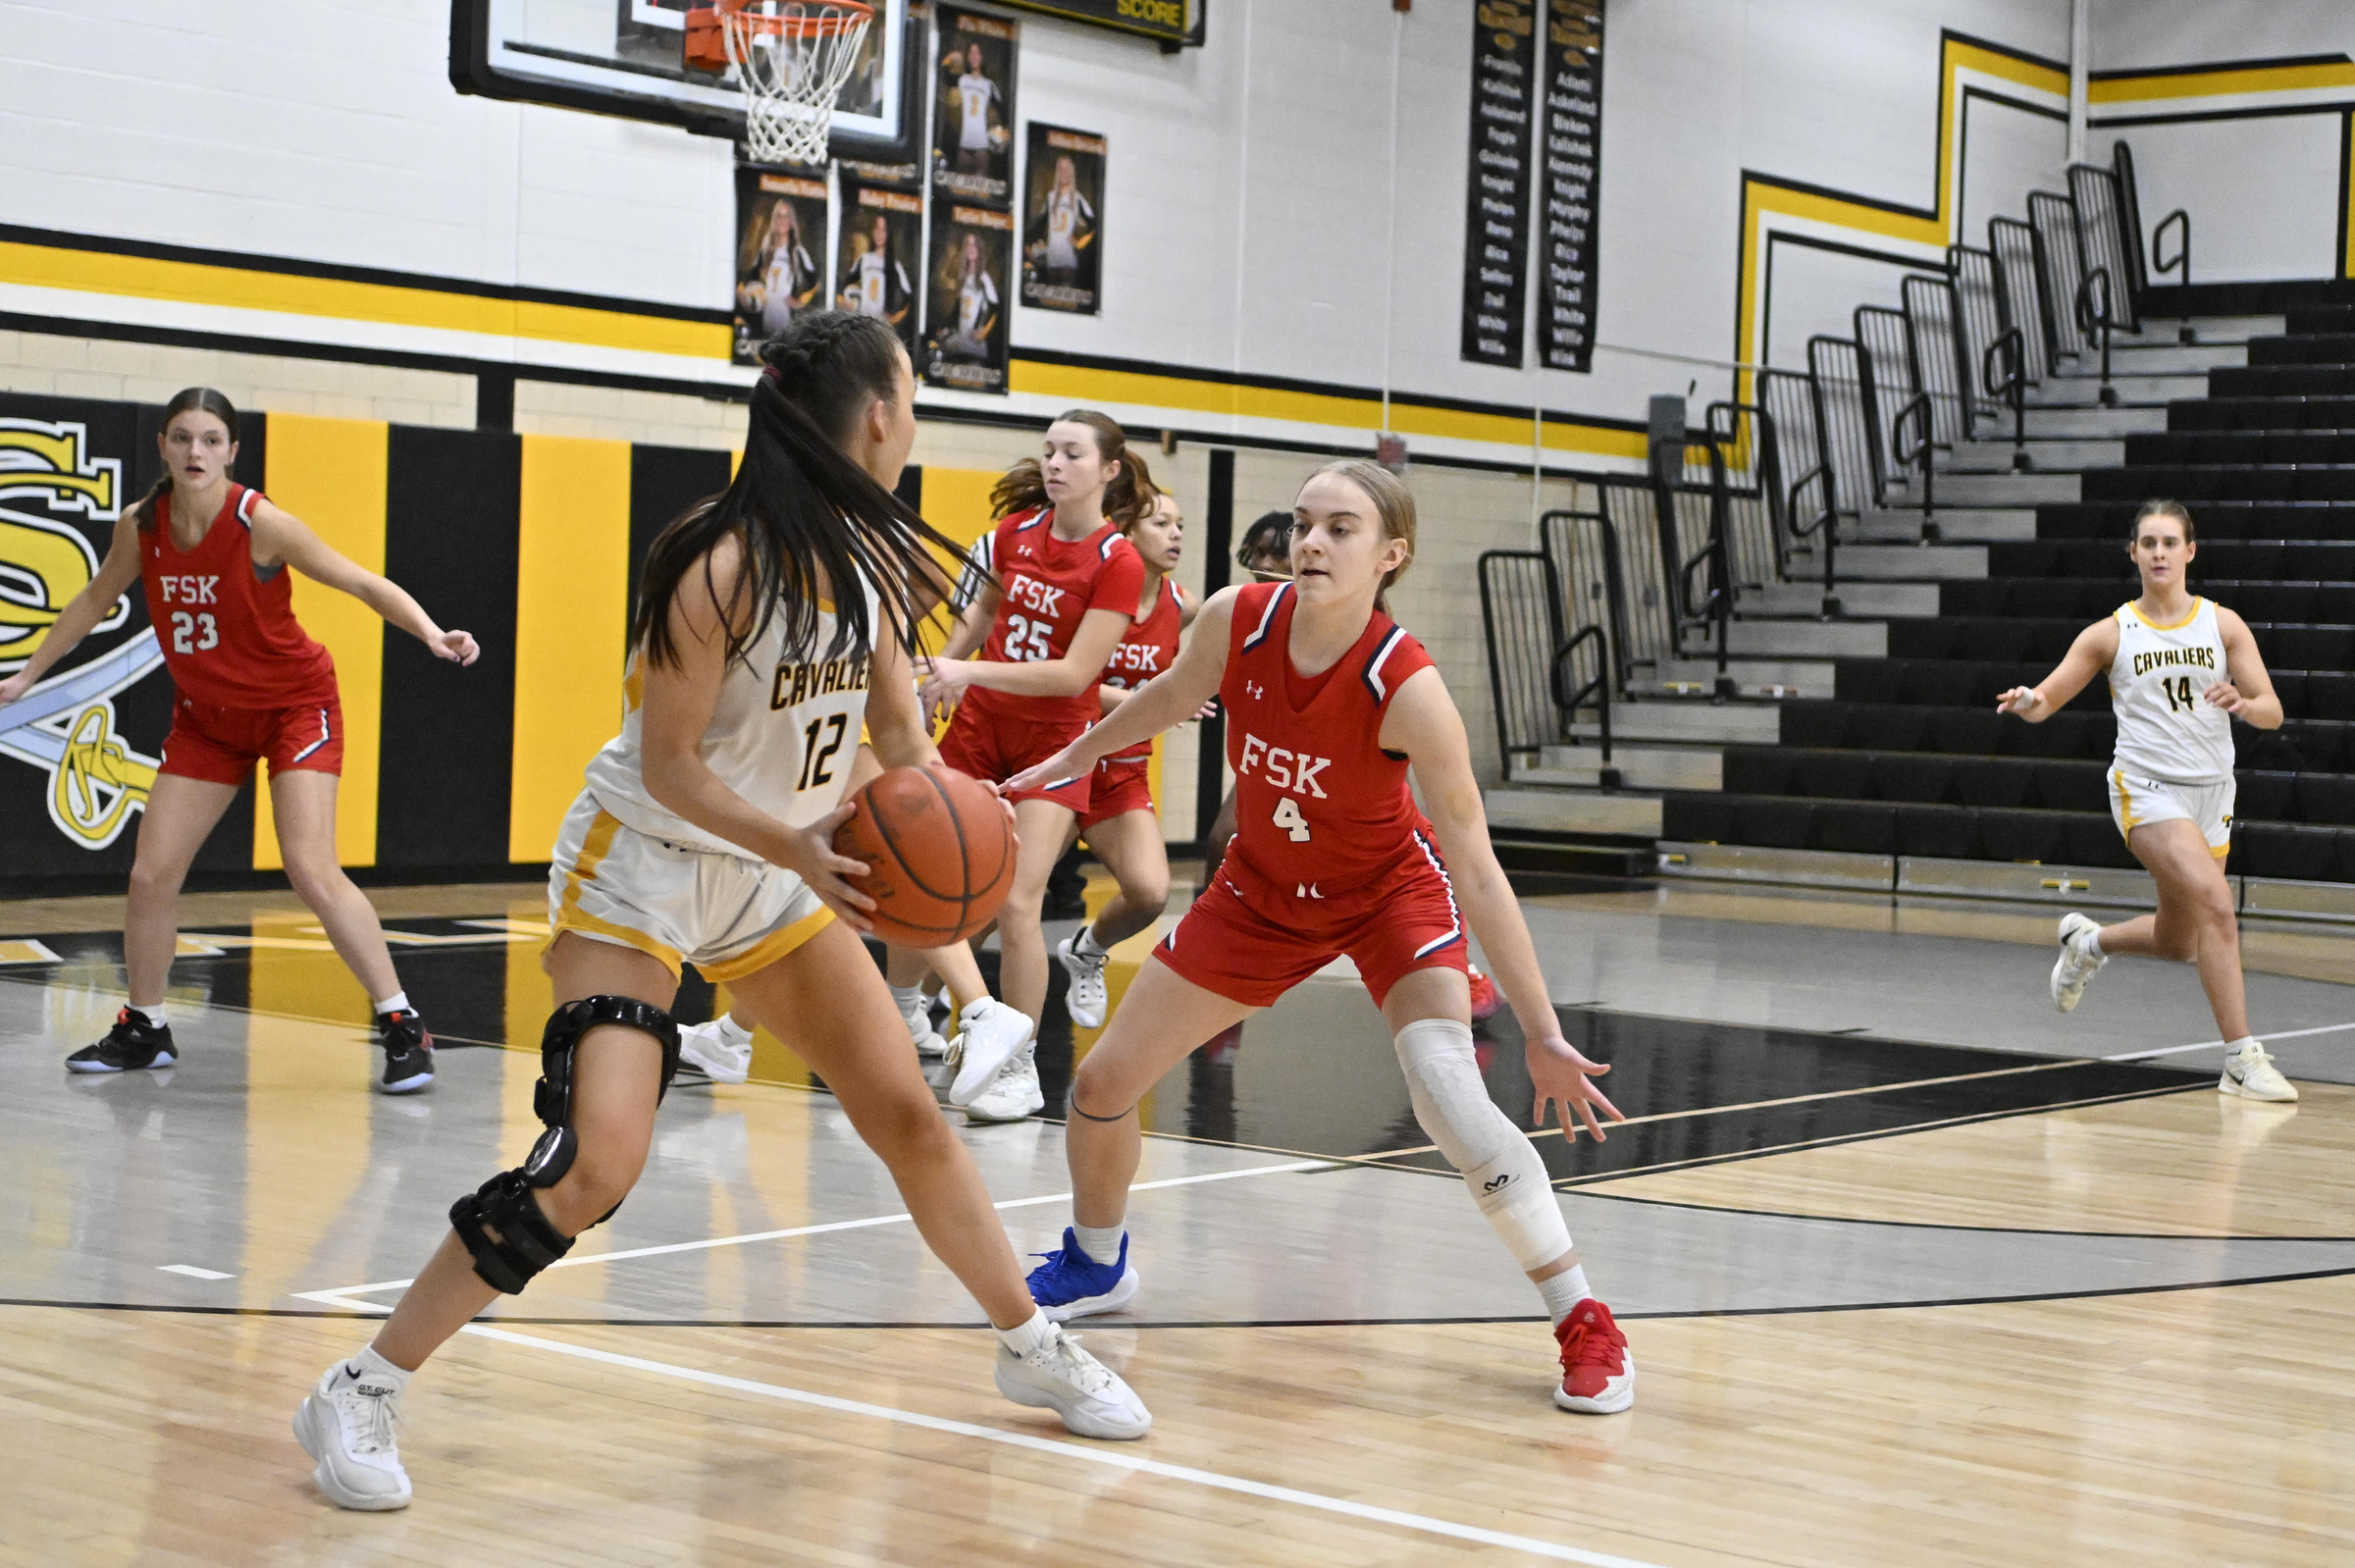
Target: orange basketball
x,y
939,851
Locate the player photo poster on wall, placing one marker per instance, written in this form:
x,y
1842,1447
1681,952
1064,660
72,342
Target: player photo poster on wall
x,y
1063,223
780,255
973,116
965,302
881,241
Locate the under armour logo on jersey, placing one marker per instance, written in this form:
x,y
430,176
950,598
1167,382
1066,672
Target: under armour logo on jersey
x,y
1306,890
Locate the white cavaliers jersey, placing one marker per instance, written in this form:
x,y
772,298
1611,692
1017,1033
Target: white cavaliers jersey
x,y
975,301
974,94
782,736
1064,210
2165,729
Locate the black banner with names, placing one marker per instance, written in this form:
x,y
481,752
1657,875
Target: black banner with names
x,y
1569,177
1496,197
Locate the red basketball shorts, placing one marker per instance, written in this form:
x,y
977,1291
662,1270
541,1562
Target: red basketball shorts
x,y
1120,788
1250,941
221,744
994,747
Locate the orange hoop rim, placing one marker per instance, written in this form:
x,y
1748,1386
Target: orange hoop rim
x,y
821,18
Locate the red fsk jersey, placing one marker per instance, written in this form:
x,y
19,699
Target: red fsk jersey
x,y
1321,809
228,636
1149,649
1049,585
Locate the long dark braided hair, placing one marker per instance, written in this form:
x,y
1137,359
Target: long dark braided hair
x,y
809,517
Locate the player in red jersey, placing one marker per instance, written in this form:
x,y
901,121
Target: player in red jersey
x,y
1121,825
1065,591
1328,702
251,684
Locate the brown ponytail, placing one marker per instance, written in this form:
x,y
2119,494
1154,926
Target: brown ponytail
x,y
1127,498
202,400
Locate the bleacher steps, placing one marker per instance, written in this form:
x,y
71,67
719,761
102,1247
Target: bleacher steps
x,y
1582,811
1841,639
1989,525
2084,390
1911,875
1987,455
1566,855
1742,863
1694,723
1897,563
2145,358
1752,676
2206,329
2266,898
2092,422
1855,598
1640,768
2003,490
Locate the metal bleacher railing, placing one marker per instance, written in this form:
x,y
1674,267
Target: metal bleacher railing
x,y
1656,572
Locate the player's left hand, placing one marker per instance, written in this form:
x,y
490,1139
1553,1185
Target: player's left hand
x,y
941,683
1563,1076
2227,696
459,648
1054,771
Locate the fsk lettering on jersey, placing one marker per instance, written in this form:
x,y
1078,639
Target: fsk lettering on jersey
x,y
1293,771
190,590
1032,594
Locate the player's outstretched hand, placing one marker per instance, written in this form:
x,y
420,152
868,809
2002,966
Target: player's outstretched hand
x,y
809,853
15,686
459,648
1054,771
2223,694
941,684
2020,699
1563,1076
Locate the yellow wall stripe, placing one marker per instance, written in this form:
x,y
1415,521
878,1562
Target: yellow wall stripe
x,y
331,473
211,284
572,605
2222,81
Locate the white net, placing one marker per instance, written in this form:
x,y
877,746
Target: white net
x,y
791,59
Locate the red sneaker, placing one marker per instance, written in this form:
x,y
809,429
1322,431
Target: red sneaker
x,y
1599,1375
1485,1000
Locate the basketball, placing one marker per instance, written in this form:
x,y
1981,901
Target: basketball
x,y
939,848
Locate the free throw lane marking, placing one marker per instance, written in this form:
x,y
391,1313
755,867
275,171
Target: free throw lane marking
x,y
1086,1453
192,1272
342,1295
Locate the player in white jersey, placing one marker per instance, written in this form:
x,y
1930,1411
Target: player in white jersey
x,y
2181,668
1062,226
975,100
769,622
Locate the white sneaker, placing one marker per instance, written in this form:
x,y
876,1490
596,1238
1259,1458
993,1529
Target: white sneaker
x,y
2250,1074
708,1048
988,1034
1060,1377
349,1424
1084,1000
2075,965
1014,1093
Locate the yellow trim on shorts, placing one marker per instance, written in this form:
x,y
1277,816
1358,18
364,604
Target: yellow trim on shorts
x,y
2219,851
769,949
570,917
2125,802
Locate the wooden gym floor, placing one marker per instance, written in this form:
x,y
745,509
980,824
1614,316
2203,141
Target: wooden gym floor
x,y
1913,1270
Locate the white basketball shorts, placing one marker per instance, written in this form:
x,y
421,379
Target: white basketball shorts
x,y
2135,802
728,914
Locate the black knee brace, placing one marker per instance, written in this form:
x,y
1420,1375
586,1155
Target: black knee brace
x,y
527,1242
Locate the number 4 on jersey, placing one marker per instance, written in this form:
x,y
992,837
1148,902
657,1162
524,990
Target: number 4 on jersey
x,y
1289,818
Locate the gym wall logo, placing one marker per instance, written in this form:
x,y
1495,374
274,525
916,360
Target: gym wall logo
x,y
66,724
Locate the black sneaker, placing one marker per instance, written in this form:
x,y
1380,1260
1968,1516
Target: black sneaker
x,y
408,1052
130,1045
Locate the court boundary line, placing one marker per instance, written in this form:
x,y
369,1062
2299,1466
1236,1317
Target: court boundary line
x,y
1108,1458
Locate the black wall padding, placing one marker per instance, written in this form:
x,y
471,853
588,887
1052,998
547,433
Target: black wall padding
x,y
451,503
664,481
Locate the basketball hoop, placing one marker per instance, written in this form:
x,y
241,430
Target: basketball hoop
x,y
790,58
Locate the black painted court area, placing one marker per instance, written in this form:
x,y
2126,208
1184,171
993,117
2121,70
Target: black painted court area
x,y
1315,1074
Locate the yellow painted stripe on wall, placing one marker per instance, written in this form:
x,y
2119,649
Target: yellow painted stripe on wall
x,y
331,473
340,299
2222,81
572,572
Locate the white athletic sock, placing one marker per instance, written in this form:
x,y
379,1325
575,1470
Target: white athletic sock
x,y
1024,1338
1103,1245
1085,945
2236,1047
910,998
154,1013
369,1363
1564,1291
2093,945
735,1034
397,1001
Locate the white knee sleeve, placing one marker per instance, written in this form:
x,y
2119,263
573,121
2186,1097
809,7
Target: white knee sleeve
x,y
1500,1166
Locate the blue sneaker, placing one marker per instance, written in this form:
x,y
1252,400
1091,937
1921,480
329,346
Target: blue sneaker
x,y
1072,1284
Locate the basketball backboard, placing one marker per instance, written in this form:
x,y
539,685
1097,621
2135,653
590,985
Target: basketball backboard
x,y
627,57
